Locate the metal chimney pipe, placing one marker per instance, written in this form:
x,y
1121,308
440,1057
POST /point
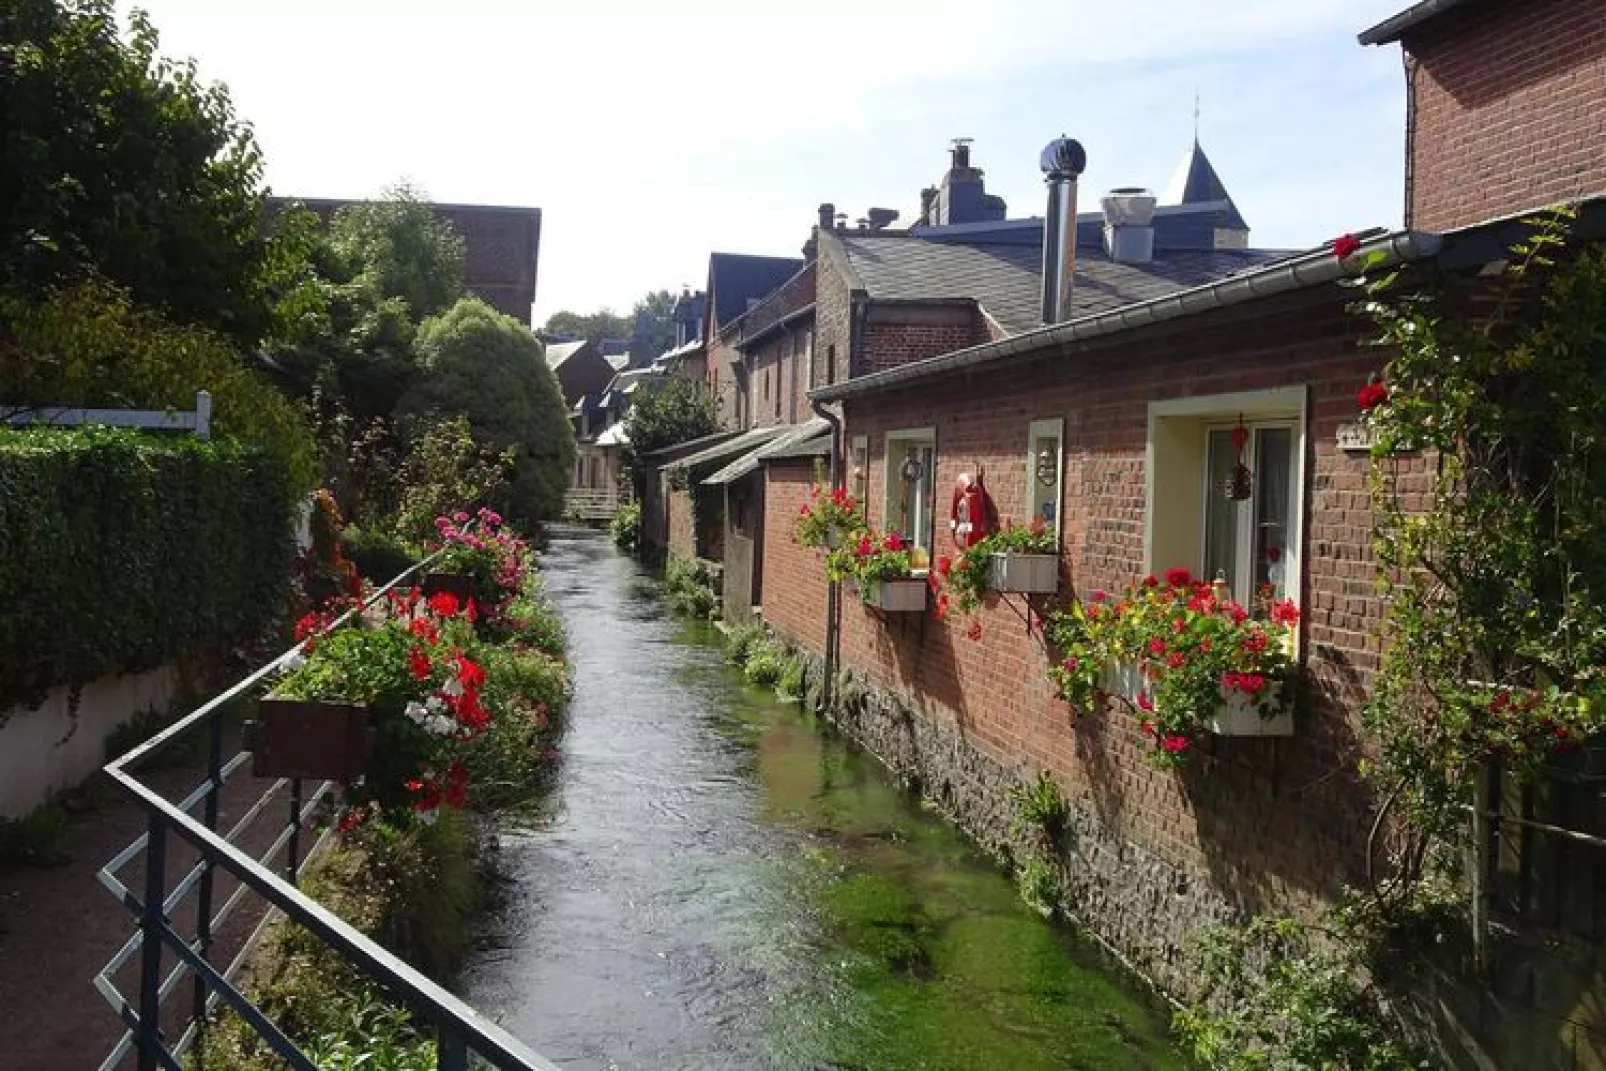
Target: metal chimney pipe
x,y
1062,161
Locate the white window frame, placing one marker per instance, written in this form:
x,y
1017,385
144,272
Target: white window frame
x,y
925,539
1178,433
1048,428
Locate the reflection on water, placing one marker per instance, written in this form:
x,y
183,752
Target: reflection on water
x,y
724,883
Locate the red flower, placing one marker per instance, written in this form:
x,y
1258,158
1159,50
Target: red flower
x,y
1177,660
1345,246
1147,727
1285,612
942,607
1157,646
1151,581
1238,614
865,548
472,612
353,818
945,564
1070,664
1179,578
1100,595
1371,396
1255,642
307,626
468,672
974,631
418,662
803,510
1146,702
424,629
1179,625
894,541
443,604
1174,743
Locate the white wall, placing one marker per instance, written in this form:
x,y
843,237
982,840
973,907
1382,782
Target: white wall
x,y
36,762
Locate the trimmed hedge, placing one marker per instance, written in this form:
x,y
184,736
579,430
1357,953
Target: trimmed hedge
x,y
123,551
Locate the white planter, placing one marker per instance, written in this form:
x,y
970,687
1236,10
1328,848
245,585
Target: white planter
x,y
897,596
1238,714
1025,574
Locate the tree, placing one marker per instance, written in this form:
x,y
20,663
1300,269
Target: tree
x,y
654,326
121,163
604,323
488,367
397,247
666,410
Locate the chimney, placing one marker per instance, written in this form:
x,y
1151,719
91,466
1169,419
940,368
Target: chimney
x,y
827,215
1063,161
1129,225
928,198
961,153
882,218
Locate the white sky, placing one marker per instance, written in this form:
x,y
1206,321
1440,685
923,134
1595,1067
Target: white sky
x,y
651,133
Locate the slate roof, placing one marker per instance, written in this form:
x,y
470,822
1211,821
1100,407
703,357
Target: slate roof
x,y
736,278
617,361
730,448
795,440
1005,278
1196,182
558,352
1397,26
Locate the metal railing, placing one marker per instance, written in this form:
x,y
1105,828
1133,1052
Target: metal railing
x,y
459,1030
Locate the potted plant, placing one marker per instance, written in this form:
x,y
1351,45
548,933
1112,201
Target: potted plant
x,y
482,563
1184,656
1015,559
825,519
883,570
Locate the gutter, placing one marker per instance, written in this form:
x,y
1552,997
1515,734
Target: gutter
x,y
1397,26
1313,269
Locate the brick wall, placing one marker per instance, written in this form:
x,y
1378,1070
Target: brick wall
x,y
722,382
833,316
1508,110
889,343
793,578
1257,825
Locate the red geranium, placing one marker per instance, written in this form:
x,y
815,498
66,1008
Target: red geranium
x,y
418,662
1345,246
1371,396
443,604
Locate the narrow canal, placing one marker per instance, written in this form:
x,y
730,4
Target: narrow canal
x,y
721,882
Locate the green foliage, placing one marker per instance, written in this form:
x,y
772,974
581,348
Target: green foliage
x,y
689,583
400,248
1038,886
792,681
626,526
970,574
445,470
867,559
765,665
378,556
124,551
1492,558
511,763
828,516
531,621
38,838
649,327
1039,806
488,367
124,164
664,411
1275,1000
741,641
90,345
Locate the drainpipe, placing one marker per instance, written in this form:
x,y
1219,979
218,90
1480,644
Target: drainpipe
x,y
833,591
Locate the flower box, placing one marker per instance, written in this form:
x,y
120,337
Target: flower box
x,y
1025,574
320,741
897,596
1240,715
458,584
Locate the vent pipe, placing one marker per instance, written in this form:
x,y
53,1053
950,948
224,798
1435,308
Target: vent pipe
x,y
1063,161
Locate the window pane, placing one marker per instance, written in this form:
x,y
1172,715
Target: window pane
x,y
1273,460
1221,514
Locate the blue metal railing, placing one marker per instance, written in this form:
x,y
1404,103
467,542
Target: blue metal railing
x,y
459,1030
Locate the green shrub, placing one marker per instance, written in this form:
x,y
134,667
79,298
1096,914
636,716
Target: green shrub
x,y
1039,806
532,620
792,679
124,551
1037,885
626,526
510,763
379,556
765,665
740,641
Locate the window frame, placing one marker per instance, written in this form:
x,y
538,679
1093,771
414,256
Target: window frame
x,y
1288,406
923,437
1048,427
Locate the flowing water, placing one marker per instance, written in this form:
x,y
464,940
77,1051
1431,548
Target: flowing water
x,y
722,882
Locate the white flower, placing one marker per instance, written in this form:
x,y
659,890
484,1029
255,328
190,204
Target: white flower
x,y
435,704
453,687
440,725
294,661
427,817
417,712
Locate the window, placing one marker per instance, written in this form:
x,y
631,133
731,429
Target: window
x,y
859,473
1252,537
911,462
1045,470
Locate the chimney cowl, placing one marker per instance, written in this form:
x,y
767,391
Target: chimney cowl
x,y
1129,206
1063,158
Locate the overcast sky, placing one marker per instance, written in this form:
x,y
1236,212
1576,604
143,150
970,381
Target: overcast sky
x,y
651,133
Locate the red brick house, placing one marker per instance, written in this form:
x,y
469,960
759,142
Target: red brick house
x,y
931,353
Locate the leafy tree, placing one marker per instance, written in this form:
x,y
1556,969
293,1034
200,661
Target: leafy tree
x,y
123,163
91,345
653,332
397,247
488,367
604,323
666,410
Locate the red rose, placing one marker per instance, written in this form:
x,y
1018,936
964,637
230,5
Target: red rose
x,y
1345,246
1371,396
1174,744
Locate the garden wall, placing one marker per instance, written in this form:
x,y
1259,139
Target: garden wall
x,y
52,748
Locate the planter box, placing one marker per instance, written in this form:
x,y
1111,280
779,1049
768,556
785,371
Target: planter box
x,y
459,584
1025,574
1238,714
308,739
897,596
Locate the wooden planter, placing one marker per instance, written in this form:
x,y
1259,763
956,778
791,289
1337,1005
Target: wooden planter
x,y
907,596
459,584
1024,574
308,739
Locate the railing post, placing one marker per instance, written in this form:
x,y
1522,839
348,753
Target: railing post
x,y
203,910
451,1054
203,414
150,966
293,864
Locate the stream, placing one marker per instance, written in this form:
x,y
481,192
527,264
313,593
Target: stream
x,y
722,881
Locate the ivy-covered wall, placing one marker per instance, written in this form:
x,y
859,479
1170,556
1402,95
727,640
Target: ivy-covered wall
x,y
124,551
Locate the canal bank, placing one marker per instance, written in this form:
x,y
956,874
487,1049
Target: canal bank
x,y
722,881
